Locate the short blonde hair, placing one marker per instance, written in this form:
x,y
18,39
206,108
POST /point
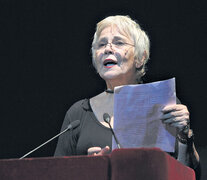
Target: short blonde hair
x,y
131,29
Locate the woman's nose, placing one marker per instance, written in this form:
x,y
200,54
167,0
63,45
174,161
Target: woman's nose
x,y
108,48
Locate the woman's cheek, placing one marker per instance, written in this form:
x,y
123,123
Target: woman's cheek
x,y
98,61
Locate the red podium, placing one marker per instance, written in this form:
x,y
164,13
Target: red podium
x,y
121,164
147,164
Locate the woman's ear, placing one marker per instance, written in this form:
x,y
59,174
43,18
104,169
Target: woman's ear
x,y
140,63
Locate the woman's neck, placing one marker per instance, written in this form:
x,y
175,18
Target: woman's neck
x,y
111,84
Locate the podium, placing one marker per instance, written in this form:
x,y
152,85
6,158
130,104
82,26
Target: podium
x,y
121,164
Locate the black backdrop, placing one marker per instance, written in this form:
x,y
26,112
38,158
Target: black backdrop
x,y
45,62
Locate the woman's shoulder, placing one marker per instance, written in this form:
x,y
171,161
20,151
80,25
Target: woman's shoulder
x,y
76,111
80,105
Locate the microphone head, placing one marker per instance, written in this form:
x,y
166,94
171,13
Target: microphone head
x,y
107,118
74,124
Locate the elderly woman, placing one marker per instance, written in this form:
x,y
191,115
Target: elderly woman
x,y
120,51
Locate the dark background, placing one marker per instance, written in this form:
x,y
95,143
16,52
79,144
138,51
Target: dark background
x,y
45,63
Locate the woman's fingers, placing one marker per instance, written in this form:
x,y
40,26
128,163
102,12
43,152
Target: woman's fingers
x,y
104,150
176,107
176,116
94,150
98,151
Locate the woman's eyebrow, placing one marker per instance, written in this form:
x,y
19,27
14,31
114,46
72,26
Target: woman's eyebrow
x,y
114,38
103,39
118,38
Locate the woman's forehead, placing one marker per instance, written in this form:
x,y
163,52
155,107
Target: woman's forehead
x,y
114,31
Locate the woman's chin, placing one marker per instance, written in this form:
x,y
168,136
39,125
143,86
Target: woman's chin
x,y
109,76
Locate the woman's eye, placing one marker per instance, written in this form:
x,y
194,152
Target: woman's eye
x,y
119,43
101,45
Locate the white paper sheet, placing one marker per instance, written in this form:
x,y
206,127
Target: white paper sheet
x,y
137,111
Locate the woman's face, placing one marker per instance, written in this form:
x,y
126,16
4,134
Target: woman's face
x,y
114,56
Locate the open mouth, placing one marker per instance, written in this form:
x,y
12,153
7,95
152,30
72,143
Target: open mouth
x,y
108,63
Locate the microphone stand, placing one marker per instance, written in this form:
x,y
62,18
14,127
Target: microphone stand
x,y
70,126
107,119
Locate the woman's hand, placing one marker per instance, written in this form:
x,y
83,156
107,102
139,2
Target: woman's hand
x,y
176,116
98,151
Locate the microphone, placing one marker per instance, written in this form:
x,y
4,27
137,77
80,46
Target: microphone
x,y
72,125
107,119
